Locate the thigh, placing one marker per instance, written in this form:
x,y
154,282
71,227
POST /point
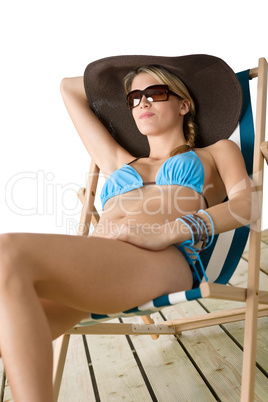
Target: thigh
x,y
96,274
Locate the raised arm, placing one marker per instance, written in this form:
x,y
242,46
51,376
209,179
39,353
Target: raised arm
x,y
104,150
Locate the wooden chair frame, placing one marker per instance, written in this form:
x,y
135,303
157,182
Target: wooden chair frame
x,y
256,301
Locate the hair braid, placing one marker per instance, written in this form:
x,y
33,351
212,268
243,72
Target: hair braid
x,y
190,131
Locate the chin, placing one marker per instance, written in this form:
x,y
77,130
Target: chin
x,y
148,130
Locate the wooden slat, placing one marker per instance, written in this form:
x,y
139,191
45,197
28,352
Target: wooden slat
x,y
264,257
95,217
249,357
148,320
237,329
2,377
218,291
175,326
88,205
59,359
171,373
263,296
6,394
264,239
264,236
264,150
211,319
223,292
216,355
112,328
253,72
76,384
116,371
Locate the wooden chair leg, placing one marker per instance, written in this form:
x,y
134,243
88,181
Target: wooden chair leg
x,y
249,355
251,320
3,385
60,353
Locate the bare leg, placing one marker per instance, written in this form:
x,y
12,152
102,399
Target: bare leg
x,y
60,318
84,274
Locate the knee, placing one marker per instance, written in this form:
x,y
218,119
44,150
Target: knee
x,y
7,248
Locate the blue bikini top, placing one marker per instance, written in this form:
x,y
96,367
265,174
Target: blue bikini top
x,y
184,169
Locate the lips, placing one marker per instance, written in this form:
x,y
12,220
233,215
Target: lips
x,y
146,115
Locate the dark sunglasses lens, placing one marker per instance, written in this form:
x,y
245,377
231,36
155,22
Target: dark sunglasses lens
x,y
133,99
155,93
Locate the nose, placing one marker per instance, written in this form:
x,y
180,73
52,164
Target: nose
x,y
144,102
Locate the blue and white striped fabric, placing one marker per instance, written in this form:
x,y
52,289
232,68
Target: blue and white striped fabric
x,y
222,257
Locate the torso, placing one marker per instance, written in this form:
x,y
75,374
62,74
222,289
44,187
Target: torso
x,y
155,204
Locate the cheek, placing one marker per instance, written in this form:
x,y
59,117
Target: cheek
x,y
135,117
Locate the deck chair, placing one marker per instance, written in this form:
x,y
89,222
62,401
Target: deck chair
x,y
220,260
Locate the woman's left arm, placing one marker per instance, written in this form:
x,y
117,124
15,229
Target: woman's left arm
x,y
242,206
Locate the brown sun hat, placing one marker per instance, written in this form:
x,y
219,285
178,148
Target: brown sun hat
x,y
212,84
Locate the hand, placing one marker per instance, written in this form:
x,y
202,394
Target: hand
x,y
150,237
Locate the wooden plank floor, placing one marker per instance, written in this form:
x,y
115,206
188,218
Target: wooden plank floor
x,y
203,364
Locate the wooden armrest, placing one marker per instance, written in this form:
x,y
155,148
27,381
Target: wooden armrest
x,y
95,216
81,194
264,150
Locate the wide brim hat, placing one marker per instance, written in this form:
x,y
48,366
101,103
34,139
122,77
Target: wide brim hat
x,y
212,84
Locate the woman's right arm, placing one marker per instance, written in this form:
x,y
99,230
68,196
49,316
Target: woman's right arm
x,y
104,150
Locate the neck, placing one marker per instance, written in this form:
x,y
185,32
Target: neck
x,y
161,146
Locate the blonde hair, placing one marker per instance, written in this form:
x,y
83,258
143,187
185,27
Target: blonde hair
x,y
177,86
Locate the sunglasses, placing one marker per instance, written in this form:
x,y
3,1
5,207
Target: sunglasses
x,y
154,93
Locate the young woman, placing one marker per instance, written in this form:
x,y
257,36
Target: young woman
x,y
51,282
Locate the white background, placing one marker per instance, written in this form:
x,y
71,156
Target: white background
x,y
42,160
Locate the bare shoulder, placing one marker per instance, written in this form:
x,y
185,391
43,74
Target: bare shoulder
x,y
220,152
229,162
222,146
225,152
